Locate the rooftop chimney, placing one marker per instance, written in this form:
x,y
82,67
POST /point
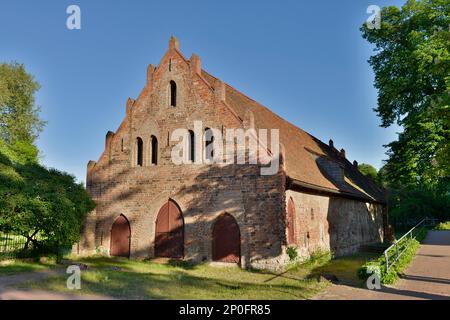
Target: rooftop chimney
x,y
331,143
342,152
355,163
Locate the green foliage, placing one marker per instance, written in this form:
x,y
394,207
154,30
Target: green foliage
x,y
316,258
411,67
443,226
379,177
378,266
368,171
19,116
44,205
292,253
416,204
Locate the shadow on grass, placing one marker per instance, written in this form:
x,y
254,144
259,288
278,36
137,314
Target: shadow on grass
x,y
149,280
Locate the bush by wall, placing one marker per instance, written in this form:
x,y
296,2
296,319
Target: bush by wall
x,y
379,265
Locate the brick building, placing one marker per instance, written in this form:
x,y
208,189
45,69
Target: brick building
x,y
147,206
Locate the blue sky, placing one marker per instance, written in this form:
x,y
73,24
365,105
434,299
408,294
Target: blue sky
x,y
305,60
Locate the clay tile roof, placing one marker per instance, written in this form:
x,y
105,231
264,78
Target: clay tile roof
x,y
303,150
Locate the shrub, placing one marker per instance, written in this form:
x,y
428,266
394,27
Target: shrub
x,y
292,253
379,265
45,206
443,226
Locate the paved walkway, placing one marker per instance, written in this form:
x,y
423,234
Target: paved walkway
x,y
9,293
427,277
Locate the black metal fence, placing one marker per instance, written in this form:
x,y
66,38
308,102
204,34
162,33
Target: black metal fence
x,y
11,246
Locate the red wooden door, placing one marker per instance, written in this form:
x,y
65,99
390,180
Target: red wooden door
x,y
120,237
226,246
290,222
169,237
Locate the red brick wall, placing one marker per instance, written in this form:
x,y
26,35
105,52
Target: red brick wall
x,y
203,192
341,225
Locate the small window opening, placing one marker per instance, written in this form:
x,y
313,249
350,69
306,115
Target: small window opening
x,y
209,140
139,154
173,93
191,146
154,150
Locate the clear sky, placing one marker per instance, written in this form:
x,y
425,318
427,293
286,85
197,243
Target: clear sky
x,y
305,60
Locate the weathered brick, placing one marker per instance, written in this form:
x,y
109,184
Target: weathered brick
x,y
204,192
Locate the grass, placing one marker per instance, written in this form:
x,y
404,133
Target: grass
x,y
343,269
443,226
9,267
129,279
346,268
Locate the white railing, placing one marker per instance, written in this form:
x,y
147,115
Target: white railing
x,y
397,245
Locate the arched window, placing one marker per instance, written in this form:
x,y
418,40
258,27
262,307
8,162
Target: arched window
x,y
191,146
154,145
209,140
139,152
173,93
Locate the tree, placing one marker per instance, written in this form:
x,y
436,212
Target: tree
x,y
19,116
46,206
411,68
368,171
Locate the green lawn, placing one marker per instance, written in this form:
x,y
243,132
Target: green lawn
x,y
9,267
128,279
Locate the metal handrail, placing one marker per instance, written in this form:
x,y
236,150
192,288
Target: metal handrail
x,y
396,244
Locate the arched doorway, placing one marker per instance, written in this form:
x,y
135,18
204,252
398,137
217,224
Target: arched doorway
x,y
290,222
120,238
169,237
226,240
